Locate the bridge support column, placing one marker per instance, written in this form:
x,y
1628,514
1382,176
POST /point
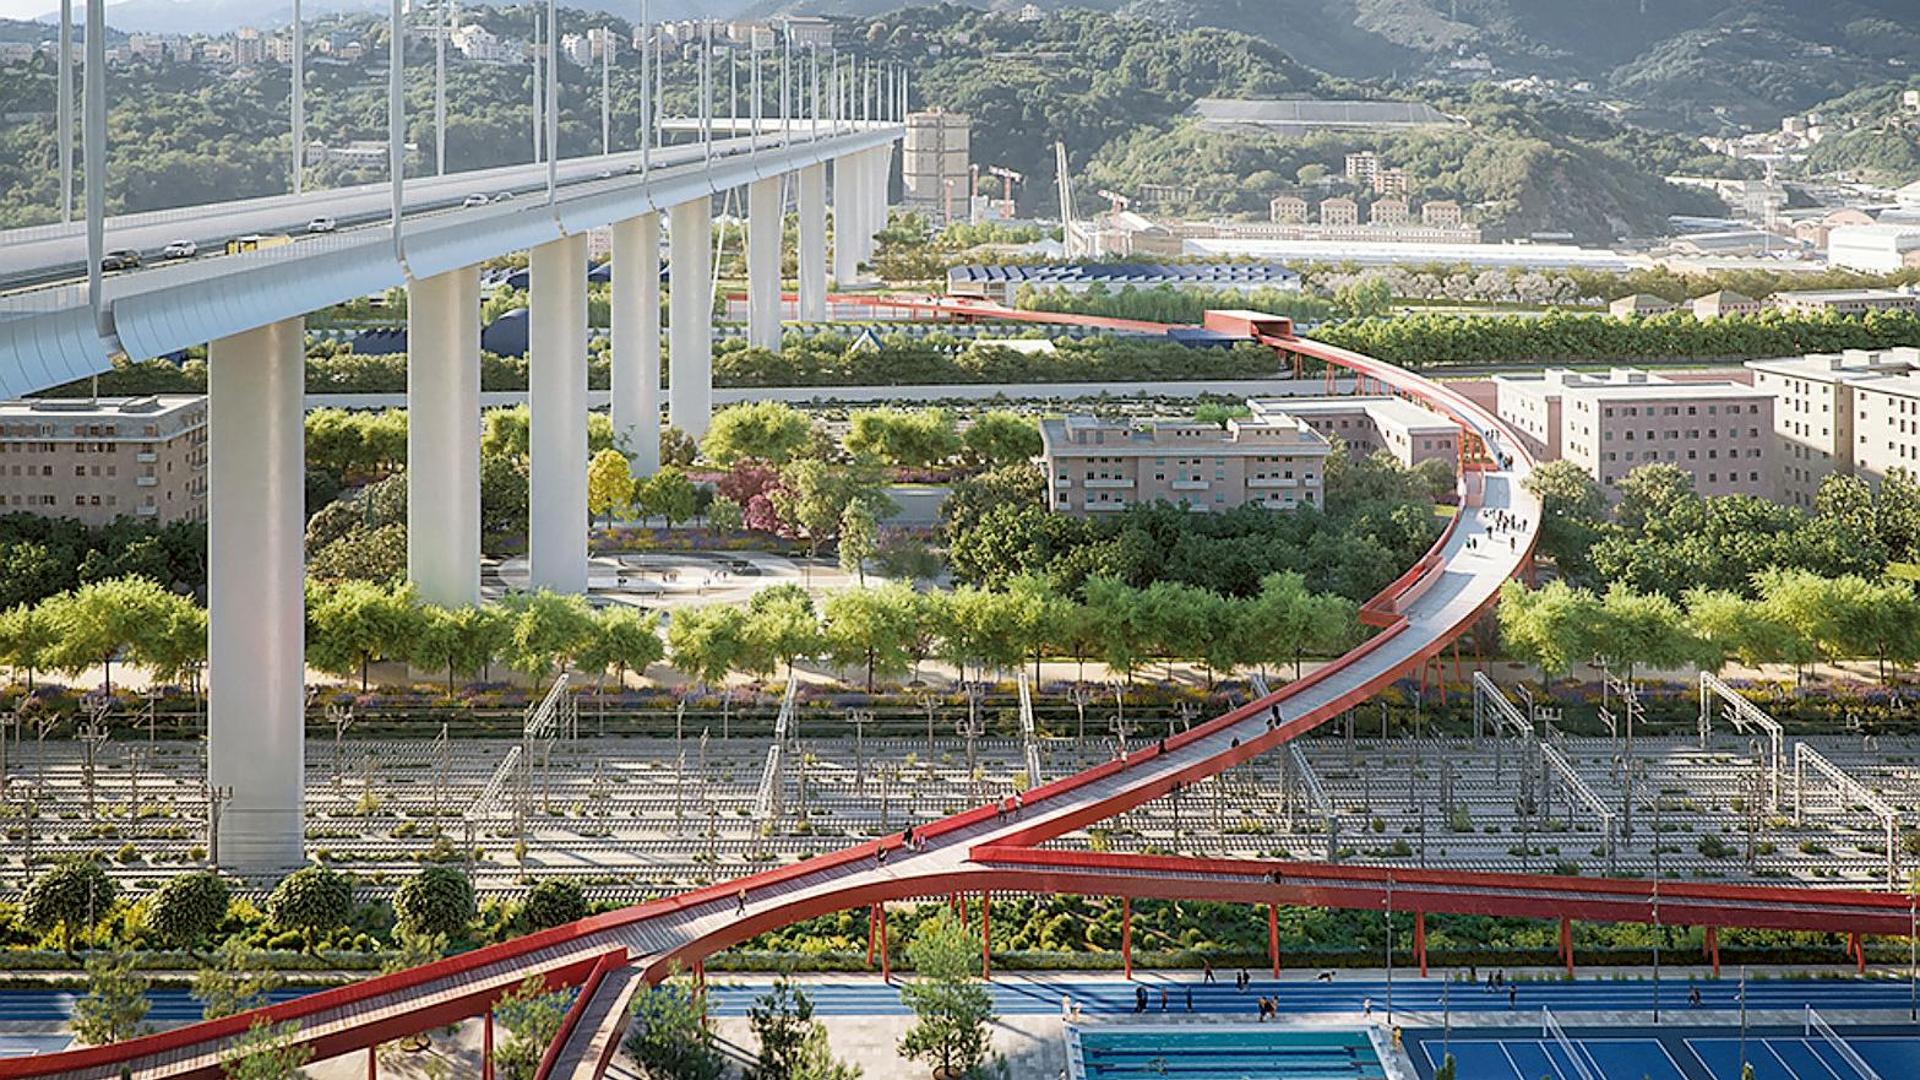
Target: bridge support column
x,y
443,437
1566,944
557,421
256,636
986,935
812,246
636,341
1273,938
886,961
1859,950
1420,940
846,224
1126,937
1713,949
873,932
690,316
373,1063
763,263
486,1045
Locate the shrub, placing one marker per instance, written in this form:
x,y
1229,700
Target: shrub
x,y
438,900
186,909
552,903
73,894
310,901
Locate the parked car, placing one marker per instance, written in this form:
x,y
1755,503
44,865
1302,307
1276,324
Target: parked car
x,y
321,225
180,249
120,259
475,199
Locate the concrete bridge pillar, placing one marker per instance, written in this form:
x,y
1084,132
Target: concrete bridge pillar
x,y
256,637
443,437
764,229
690,315
846,223
557,424
636,341
812,247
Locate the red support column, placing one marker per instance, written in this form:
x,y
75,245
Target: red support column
x,y
1440,676
872,927
1126,937
886,964
373,1063
986,935
1713,949
1859,953
1566,944
1273,937
486,1045
1420,940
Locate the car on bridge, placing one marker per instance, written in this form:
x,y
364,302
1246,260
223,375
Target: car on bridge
x,y
120,259
257,242
475,199
322,225
180,249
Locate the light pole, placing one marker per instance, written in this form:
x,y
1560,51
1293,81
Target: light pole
x,y
396,118
1656,949
1389,949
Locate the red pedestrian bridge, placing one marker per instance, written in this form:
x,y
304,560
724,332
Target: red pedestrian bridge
x,y
997,847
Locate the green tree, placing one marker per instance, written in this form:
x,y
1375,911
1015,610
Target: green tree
x,y
549,631
115,1004
610,486
668,494
268,1051
918,438
1001,438
1551,627
951,1009
1637,630
70,896
707,642
724,516
352,623
553,902
26,637
858,535
872,628
668,1037
1117,624
813,496
312,900
1572,511
781,627
460,640
97,621
184,910
1365,298
240,978
622,639
437,900
793,1045
767,430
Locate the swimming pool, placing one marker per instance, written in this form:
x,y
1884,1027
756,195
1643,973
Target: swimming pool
x,y
1215,1052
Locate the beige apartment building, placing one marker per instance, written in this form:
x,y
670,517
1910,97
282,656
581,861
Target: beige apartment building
x,y
1818,403
1886,426
1097,466
1368,425
1720,433
95,460
1846,301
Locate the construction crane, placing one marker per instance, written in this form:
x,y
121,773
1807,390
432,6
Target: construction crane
x,y
1116,202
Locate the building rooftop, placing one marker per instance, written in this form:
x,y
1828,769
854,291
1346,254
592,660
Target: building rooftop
x,y
1393,411
149,405
1831,295
1224,112
1122,274
1083,435
1849,364
1616,382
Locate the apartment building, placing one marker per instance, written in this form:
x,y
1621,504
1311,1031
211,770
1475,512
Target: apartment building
x,y
1846,301
1886,425
1097,466
1368,425
1721,433
100,459
1817,405
934,164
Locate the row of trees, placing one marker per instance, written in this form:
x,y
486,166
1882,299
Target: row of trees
x,y
130,617
41,556
1662,536
1432,340
1793,617
777,433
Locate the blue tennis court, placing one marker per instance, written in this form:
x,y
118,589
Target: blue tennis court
x,y
1681,1054
1808,1059
1532,1058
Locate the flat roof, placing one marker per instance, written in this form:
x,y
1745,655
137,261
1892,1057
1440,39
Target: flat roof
x,y
1845,294
1398,412
1387,253
1834,367
103,408
1123,273
1301,113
